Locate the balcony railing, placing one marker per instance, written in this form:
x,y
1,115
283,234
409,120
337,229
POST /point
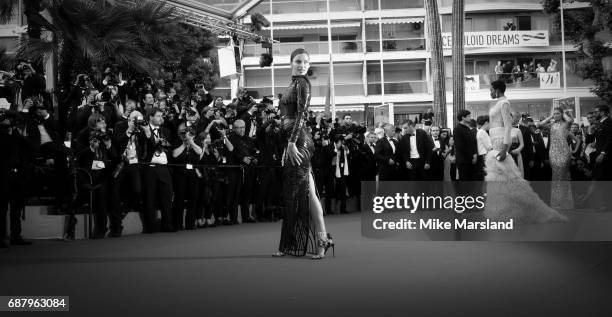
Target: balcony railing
x,y
396,45
398,87
521,80
449,3
319,47
305,6
393,4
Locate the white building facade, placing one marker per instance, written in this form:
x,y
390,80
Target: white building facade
x,y
364,36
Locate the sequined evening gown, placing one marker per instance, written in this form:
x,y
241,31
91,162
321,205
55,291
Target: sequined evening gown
x,y
509,195
297,233
560,158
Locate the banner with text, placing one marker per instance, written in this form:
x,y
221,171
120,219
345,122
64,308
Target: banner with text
x,y
550,80
499,39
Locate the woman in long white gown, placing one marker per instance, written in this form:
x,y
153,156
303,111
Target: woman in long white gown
x,y
509,196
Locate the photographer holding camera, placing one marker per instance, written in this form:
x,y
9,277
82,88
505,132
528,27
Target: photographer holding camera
x,y
241,185
186,178
156,178
44,136
15,167
98,158
32,84
218,153
126,181
269,142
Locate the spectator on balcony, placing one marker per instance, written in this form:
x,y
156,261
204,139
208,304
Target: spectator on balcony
x,y
499,70
517,75
526,74
540,69
552,67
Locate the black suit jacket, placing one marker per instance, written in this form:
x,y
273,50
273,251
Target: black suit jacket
x,y
149,150
603,137
383,153
465,144
423,143
527,152
368,163
541,150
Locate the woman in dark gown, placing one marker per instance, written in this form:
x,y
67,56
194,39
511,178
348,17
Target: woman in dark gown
x,y
303,230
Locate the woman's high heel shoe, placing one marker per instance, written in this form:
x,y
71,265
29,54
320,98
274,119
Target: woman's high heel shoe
x,y
324,241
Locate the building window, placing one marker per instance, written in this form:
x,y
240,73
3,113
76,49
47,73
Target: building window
x,y
523,22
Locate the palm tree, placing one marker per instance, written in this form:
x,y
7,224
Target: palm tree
x,y
135,35
437,61
6,11
458,57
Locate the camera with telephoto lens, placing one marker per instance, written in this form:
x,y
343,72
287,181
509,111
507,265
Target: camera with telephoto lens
x,y
138,124
190,112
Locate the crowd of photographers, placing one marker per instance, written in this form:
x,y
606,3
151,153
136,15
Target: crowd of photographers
x,y
181,161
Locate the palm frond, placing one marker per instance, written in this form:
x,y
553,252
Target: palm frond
x,y
7,8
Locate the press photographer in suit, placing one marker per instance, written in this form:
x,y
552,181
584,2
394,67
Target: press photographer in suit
x,y
186,178
156,178
127,180
241,184
98,159
15,164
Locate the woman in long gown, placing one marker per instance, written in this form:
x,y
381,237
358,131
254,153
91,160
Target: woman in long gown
x,y
560,159
509,196
303,230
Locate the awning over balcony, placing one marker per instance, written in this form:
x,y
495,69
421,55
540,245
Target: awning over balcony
x,y
313,26
397,21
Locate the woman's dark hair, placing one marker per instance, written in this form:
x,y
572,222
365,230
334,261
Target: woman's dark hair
x,y
296,52
499,85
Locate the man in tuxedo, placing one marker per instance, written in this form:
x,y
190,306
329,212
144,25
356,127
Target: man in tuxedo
x,y
436,172
465,146
156,178
603,144
415,148
540,171
387,155
527,151
368,153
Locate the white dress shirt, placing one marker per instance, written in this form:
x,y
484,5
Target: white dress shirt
x,y
484,142
392,144
414,152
